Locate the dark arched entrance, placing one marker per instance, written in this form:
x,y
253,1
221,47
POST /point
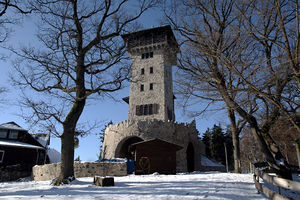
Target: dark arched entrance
x,y
123,151
190,158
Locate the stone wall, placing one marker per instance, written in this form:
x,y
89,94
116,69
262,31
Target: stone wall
x,y
181,134
81,169
14,172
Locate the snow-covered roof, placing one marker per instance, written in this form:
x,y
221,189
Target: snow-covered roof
x,y
209,162
43,139
13,143
11,126
54,156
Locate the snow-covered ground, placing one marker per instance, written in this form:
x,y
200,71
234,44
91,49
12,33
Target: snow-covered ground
x,y
209,185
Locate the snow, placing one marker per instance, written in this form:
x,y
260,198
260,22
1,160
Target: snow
x,y
54,156
18,144
149,187
208,162
11,126
43,139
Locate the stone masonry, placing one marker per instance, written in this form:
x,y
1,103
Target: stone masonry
x,y
177,133
81,169
151,101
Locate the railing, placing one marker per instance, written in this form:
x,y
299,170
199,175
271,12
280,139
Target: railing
x,y
276,182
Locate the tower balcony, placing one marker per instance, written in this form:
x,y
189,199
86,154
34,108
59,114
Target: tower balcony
x,y
155,38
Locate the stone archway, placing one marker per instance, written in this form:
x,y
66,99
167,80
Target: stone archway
x,y
122,150
190,157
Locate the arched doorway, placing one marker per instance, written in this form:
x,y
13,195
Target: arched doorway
x,y
122,150
190,158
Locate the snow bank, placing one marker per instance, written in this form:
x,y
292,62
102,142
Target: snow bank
x,y
148,187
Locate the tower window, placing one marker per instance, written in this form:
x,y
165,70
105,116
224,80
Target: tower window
x,y
141,110
142,87
142,71
145,110
148,109
147,55
155,108
151,86
151,70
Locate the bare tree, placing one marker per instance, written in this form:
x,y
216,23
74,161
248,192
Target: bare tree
x,y
6,19
2,91
284,135
206,31
212,29
274,26
81,56
288,22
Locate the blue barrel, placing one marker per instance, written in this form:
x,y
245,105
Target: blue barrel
x,y
130,166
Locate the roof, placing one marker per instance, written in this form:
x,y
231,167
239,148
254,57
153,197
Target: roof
x,y
166,29
13,143
11,126
43,139
126,99
54,155
209,162
156,140
160,28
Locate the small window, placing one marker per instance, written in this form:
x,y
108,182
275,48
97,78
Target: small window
x,y
141,109
13,134
142,88
1,156
145,109
151,70
150,109
3,133
155,108
142,71
151,54
147,55
143,56
137,110
151,86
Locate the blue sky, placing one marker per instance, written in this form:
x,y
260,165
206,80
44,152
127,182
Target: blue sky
x,y
101,111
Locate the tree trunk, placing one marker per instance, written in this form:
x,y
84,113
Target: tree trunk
x,y
69,125
265,143
271,152
67,154
236,153
235,141
298,152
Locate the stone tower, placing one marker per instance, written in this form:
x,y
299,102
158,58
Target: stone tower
x,y
151,102
153,52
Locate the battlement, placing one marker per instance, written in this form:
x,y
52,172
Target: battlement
x,y
150,122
